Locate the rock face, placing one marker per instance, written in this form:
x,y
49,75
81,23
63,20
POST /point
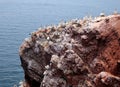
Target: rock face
x,y
78,53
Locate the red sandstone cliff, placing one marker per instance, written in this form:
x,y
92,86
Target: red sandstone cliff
x,y
79,53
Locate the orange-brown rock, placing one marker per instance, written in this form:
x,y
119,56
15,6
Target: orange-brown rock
x,y
78,53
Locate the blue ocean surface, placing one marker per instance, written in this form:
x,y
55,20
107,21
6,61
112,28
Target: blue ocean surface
x,y
18,18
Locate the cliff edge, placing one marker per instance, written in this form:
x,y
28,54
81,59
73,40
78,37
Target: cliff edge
x,y
78,53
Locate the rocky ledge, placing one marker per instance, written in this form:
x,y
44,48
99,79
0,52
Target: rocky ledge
x,y
78,53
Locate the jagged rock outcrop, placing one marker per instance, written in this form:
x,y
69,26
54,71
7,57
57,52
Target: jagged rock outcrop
x,y
79,53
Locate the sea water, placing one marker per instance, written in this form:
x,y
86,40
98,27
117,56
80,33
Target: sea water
x,y
18,18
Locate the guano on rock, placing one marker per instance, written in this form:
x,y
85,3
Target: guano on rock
x,y
78,53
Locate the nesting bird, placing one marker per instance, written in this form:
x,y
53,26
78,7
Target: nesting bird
x,y
102,14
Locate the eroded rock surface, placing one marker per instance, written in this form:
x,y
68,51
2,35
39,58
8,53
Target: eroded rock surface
x,y
78,53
